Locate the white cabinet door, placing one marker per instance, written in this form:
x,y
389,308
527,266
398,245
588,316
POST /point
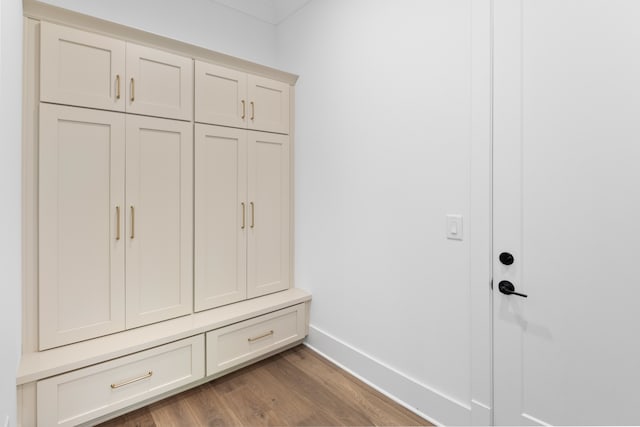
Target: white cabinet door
x,y
268,108
566,206
80,68
221,96
159,219
81,227
220,216
268,213
159,83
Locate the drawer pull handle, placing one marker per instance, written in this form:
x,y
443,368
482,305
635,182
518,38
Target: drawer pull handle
x,y
244,109
134,380
268,334
117,86
133,90
253,110
243,216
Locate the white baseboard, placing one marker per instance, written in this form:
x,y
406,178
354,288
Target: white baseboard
x,y
426,402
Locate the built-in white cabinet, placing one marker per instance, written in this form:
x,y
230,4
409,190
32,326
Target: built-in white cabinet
x,y
81,243
107,242
80,396
220,216
89,70
228,97
268,191
241,214
161,221
81,68
159,211
159,83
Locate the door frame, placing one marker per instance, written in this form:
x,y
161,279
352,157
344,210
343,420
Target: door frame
x,y
480,224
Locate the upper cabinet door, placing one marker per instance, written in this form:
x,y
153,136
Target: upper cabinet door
x,y
80,68
159,214
81,224
159,83
220,216
221,96
268,214
268,108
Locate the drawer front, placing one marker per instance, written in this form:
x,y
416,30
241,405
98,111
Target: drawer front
x,y
83,395
236,344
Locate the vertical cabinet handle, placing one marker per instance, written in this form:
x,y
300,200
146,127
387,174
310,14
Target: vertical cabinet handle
x,y
133,222
117,222
253,215
253,110
243,216
133,90
244,109
117,86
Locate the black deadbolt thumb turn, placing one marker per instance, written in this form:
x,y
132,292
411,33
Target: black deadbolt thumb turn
x,y
507,288
506,258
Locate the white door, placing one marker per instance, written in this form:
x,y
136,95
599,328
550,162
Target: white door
x,y
220,216
268,214
81,224
158,83
159,215
268,108
221,95
80,68
567,208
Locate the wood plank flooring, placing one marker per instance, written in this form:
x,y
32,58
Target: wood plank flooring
x,y
294,388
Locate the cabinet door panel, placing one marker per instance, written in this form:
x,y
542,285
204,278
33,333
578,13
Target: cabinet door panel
x,y
81,189
220,216
80,68
221,96
268,191
159,219
269,105
159,83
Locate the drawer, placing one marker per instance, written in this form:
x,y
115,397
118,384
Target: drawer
x,y
85,394
239,343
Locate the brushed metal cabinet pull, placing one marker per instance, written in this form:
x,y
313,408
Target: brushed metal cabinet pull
x,y
253,215
133,380
253,110
268,334
244,109
243,216
133,222
117,86
117,222
133,90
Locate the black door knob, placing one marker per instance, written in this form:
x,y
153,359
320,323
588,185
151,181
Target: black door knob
x,y
506,258
507,288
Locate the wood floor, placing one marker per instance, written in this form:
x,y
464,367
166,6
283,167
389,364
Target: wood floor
x,y
294,388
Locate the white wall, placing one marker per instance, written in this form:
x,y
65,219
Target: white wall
x,y
383,153
10,207
203,23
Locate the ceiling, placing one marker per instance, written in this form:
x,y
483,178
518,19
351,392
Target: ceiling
x,y
271,11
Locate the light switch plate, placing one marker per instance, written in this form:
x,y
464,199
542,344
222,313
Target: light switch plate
x,y
454,227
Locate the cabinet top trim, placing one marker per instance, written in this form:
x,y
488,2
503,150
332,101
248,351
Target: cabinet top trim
x,y
45,12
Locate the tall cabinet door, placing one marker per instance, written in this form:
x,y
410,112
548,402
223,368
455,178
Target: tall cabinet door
x,y
159,83
81,234
221,95
268,105
159,219
220,216
80,68
268,213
